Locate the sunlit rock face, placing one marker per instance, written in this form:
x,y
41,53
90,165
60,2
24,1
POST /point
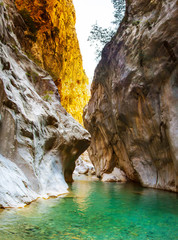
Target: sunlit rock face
x,y
39,140
47,33
132,114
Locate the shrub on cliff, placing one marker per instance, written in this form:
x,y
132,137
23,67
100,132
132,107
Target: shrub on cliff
x,y
99,36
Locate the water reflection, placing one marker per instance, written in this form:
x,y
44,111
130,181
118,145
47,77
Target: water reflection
x,y
95,210
81,197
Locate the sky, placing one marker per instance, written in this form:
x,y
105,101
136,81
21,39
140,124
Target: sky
x,y
87,13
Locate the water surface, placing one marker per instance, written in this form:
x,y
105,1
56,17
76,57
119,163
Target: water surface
x,y
96,210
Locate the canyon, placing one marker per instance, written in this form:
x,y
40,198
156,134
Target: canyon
x,y
132,115
49,189
39,140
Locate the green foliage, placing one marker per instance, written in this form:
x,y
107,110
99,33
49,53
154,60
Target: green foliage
x,y
148,25
50,92
1,4
9,28
136,23
47,97
32,76
14,48
119,11
100,36
28,74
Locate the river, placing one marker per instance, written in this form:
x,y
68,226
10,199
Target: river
x,y
96,210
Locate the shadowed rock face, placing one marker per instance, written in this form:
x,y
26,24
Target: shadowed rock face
x,y
132,114
39,140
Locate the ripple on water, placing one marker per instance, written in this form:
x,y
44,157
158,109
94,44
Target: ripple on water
x,y
96,210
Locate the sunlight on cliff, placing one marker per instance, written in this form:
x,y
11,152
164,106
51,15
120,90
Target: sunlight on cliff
x,y
53,44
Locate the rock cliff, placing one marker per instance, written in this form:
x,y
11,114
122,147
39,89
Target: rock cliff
x,y
47,34
39,140
132,114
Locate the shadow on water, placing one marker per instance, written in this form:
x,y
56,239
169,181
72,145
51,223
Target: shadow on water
x,y
96,210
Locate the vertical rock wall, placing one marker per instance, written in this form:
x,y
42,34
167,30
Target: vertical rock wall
x,y
48,36
39,140
133,111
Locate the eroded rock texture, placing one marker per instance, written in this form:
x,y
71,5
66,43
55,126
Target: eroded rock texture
x,y
133,112
39,140
46,30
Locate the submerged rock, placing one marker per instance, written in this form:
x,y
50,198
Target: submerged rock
x,y
39,140
132,114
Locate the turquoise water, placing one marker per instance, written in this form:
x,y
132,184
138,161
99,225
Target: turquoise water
x,y
96,210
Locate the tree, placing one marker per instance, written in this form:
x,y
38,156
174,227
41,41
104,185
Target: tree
x,y
99,36
119,11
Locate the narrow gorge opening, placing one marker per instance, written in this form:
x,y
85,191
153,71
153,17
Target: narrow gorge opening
x,y
96,25
129,122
